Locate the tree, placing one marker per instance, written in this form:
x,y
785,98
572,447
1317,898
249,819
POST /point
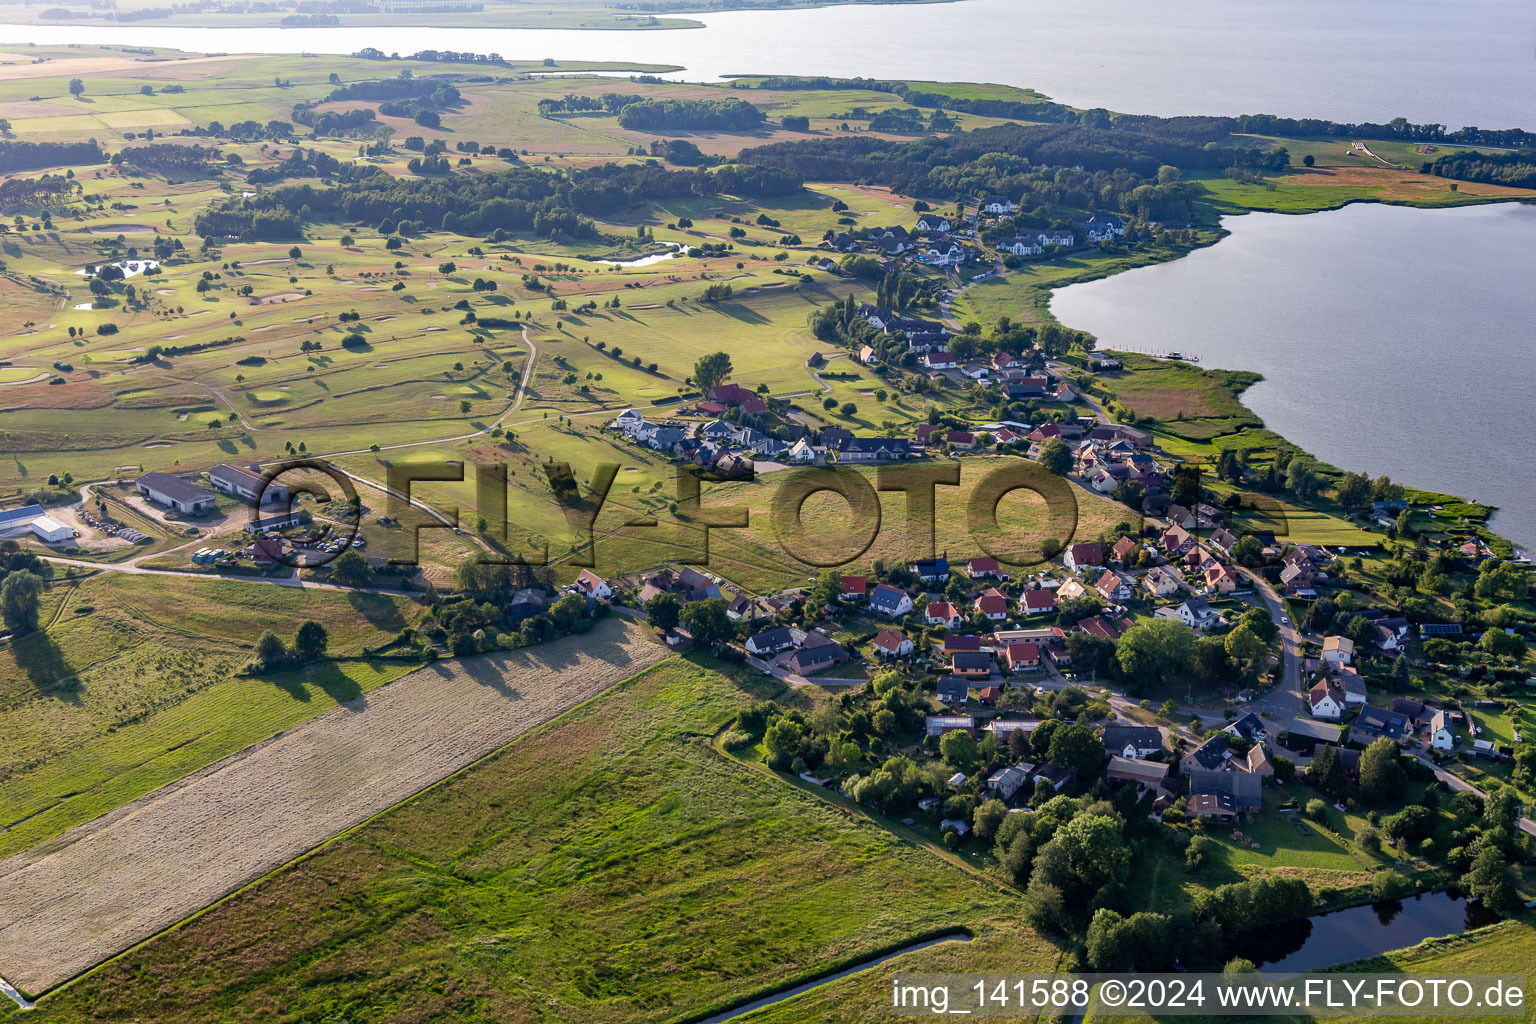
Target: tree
x,y
1186,487
1381,774
782,742
1500,644
76,88
988,817
708,622
1326,771
1248,551
664,611
295,252
1075,746
351,570
567,611
711,370
1095,850
1492,881
1247,651
310,642
1151,654
1056,457
958,748
19,597
1410,825
270,650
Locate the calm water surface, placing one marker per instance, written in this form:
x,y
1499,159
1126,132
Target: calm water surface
x,y
1391,340
1470,62
1360,932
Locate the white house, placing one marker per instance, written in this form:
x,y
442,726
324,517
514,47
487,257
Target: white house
x,y
1020,246
593,585
1006,783
1102,227
1326,700
890,602
802,451
939,360
1338,650
998,205
942,613
1160,581
1196,613
933,222
1441,735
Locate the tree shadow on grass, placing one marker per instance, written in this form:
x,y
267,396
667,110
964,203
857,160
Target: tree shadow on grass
x,y
381,612
737,311
40,658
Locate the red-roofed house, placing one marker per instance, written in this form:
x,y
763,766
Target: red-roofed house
x,y
939,360
1022,657
1124,548
961,439
855,588
993,604
985,568
892,643
1079,555
942,613
1038,602
593,585
1045,432
1007,436
734,394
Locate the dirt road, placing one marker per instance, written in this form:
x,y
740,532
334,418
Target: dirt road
x,y
76,900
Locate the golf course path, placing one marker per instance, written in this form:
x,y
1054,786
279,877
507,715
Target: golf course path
x,y
76,900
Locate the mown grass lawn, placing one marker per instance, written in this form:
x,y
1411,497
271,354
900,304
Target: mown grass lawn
x,y
610,866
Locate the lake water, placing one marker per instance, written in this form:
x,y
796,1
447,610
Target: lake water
x,y
1471,62
1359,932
1391,340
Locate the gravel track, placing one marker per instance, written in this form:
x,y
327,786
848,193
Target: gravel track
x,y
75,901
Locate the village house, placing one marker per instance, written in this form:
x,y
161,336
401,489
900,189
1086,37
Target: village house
x,y
1123,550
992,604
875,449
1219,579
1038,602
1161,581
1213,807
1442,735
853,588
813,659
1210,755
1007,782
770,642
943,251
593,585
1338,650
954,691
889,602
1113,587
931,222
972,664
1374,722
1181,517
1019,246
1223,541
1132,741
931,570
985,568
1021,657
997,205
1080,556
1197,613
939,360
1326,700
1101,227
1248,726
942,614
1177,541
892,643
735,395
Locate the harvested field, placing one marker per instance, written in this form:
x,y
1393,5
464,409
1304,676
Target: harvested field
x,y
71,903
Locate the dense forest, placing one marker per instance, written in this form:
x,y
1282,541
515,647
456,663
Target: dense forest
x,y
26,156
1517,169
730,115
518,199
1037,165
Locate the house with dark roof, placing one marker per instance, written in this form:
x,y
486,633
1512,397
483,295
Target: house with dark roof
x,y
1210,755
1038,602
875,449
890,602
1248,726
813,659
932,570
954,691
1374,722
248,485
1132,741
1246,789
770,642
